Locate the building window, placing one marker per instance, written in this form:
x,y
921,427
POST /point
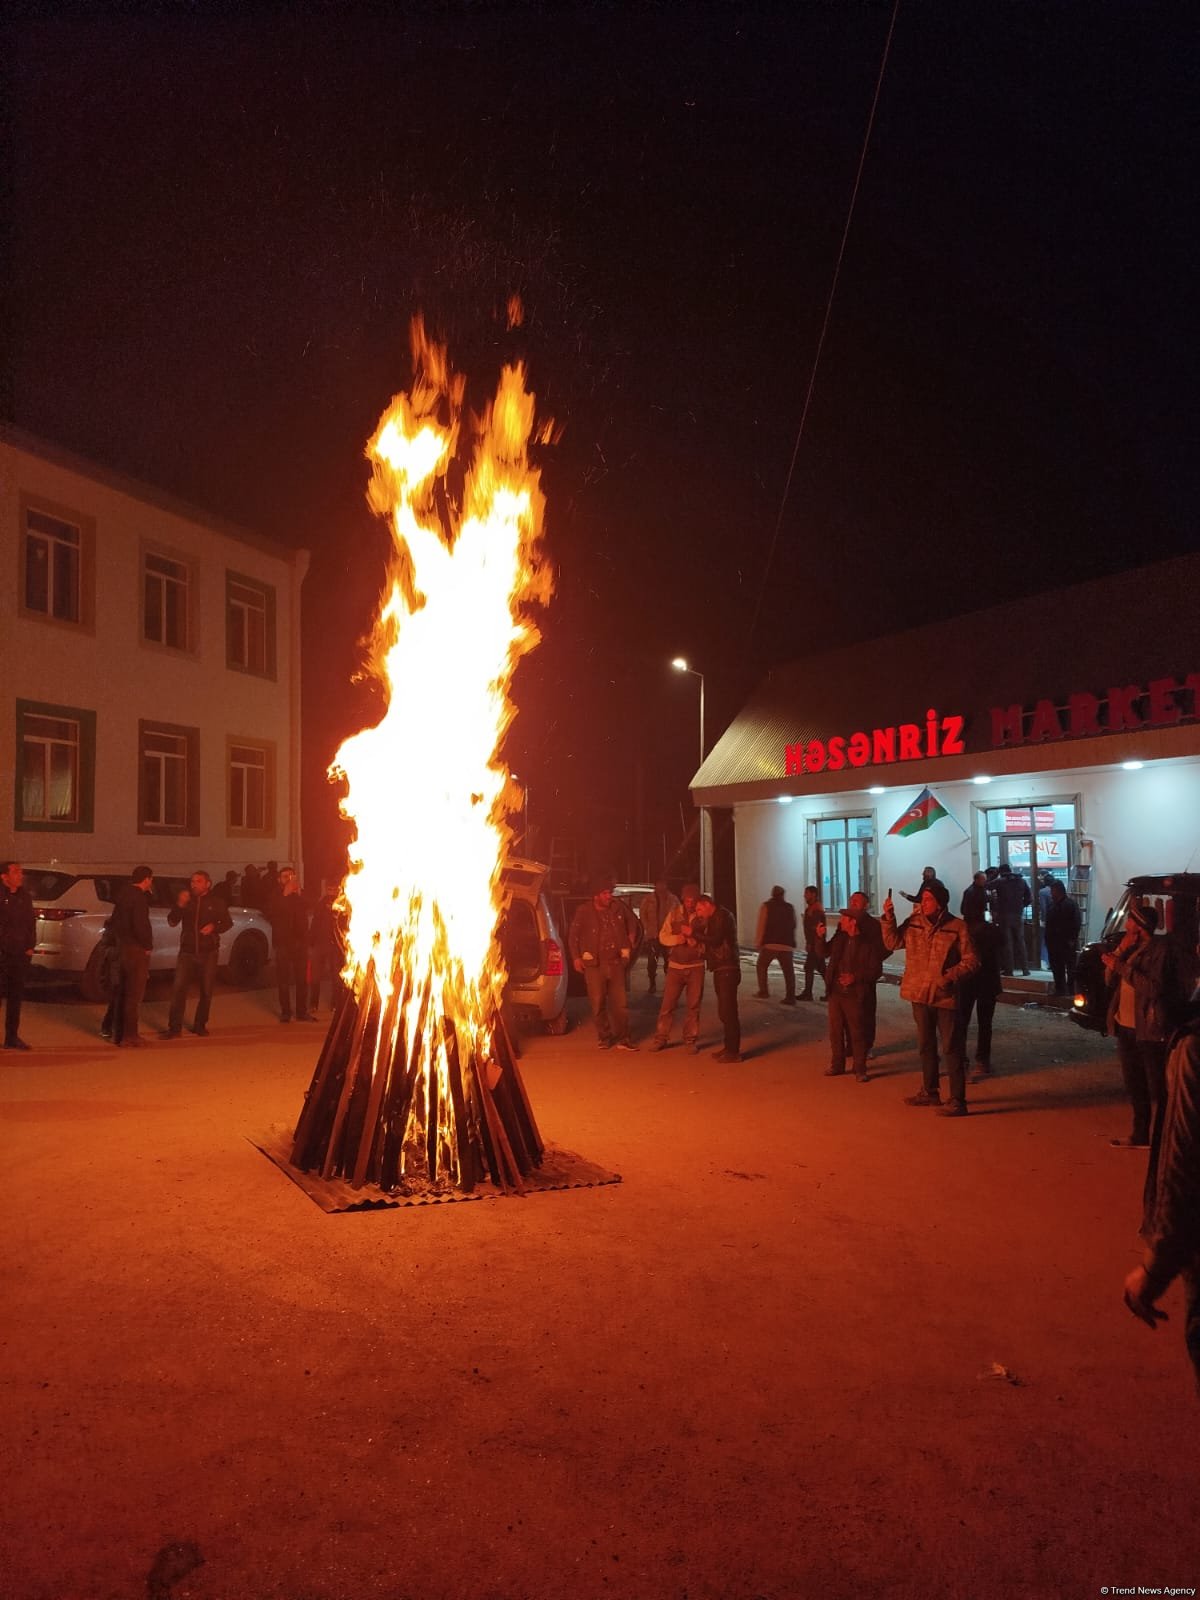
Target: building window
x,y
54,581
251,787
168,778
166,593
843,850
55,767
249,625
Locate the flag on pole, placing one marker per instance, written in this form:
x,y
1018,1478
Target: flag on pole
x,y
923,813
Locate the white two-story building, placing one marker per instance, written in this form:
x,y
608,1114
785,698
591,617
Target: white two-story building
x,y
149,675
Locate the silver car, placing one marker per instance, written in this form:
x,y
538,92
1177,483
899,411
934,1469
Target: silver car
x,y
533,952
74,903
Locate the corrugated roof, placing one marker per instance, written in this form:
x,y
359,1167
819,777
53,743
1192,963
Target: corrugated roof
x,y
1127,629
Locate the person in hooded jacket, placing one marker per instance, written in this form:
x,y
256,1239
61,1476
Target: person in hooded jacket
x,y
938,955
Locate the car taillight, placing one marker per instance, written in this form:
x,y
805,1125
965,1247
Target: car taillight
x,y
57,914
554,958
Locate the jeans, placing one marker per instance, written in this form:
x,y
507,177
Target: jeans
x,y
984,1007
201,970
13,966
814,961
849,1025
1062,964
606,992
787,961
135,969
940,1025
1012,945
681,980
654,954
725,984
291,972
1144,1069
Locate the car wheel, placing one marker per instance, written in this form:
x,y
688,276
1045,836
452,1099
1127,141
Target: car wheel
x,y
94,984
558,1024
247,960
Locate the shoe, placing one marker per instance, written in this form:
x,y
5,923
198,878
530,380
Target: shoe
x,y
694,1047
286,1017
922,1099
805,996
980,1074
861,1077
1130,1144
605,1044
823,997
790,1002
106,1033
134,1042
16,1044
761,994
726,1057
305,1016
835,1072
170,1033
626,1044
953,1108
201,1033
658,1044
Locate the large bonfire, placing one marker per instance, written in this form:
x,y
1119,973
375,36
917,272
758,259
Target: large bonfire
x,y
416,1084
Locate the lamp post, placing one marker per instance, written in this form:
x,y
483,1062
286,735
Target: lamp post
x,y
681,665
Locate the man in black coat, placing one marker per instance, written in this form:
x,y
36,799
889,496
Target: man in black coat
x,y
853,965
1012,896
1062,937
289,934
979,992
18,936
130,923
717,932
205,917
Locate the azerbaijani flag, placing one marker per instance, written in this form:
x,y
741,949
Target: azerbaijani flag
x,y
922,814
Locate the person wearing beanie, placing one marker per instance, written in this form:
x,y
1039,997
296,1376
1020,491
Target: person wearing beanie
x,y
775,938
854,963
602,939
685,971
1148,985
938,955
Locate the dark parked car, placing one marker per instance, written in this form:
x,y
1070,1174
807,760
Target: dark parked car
x,y
1176,898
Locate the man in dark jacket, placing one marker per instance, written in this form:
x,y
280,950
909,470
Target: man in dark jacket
x,y
1011,898
18,937
775,938
974,904
1062,936
130,923
602,939
1172,1219
979,992
814,943
205,917
717,932
937,956
289,938
1148,992
853,965
686,961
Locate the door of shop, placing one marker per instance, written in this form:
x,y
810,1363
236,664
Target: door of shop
x,y
1036,842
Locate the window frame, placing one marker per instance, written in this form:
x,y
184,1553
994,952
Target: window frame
x,y
86,806
86,527
164,552
268,749
190,827
267,590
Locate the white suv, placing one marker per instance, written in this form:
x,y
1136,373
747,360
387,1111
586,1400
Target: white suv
x,y
74,903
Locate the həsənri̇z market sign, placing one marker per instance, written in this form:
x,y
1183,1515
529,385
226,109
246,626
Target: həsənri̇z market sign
x,y
1162,703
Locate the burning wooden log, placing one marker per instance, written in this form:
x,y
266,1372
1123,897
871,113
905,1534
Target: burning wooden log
x,y
396,1112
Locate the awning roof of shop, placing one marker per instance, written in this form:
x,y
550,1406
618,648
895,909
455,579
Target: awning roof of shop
x,y
1130,628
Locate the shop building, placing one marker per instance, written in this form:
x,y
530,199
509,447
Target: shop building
x,y
1060,734
149,675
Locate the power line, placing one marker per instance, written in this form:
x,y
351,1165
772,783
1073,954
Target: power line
x,y
812,378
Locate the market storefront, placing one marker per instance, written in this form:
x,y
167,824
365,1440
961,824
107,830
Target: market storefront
x,y
845,771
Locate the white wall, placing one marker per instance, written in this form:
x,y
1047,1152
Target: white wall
x,y
115,673
1144,821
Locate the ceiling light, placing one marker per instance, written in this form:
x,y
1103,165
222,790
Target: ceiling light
x,y
981,779
1132,766
876,789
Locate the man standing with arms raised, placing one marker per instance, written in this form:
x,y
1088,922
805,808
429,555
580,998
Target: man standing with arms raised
x,y
938,953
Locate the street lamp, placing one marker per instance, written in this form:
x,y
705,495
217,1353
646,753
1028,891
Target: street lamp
x,y
681,665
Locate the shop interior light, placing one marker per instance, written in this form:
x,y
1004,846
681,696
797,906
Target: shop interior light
x,y
1132,766
981,779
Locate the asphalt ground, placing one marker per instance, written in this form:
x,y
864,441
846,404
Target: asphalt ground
x,y
814,1343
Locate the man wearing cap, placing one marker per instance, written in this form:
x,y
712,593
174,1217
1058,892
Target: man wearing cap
x,y
602,939
1148,989
937,954
685,971
853,964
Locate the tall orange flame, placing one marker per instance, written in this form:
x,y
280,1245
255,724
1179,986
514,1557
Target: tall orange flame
x,y
428,791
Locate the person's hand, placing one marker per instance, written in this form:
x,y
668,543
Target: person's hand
x,y
209,927
624,955
1138,1299
820,930
183,898
685,929
887,905
578,965
845,979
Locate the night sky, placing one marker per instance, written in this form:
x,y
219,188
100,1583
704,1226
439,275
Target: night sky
x,y
221,228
